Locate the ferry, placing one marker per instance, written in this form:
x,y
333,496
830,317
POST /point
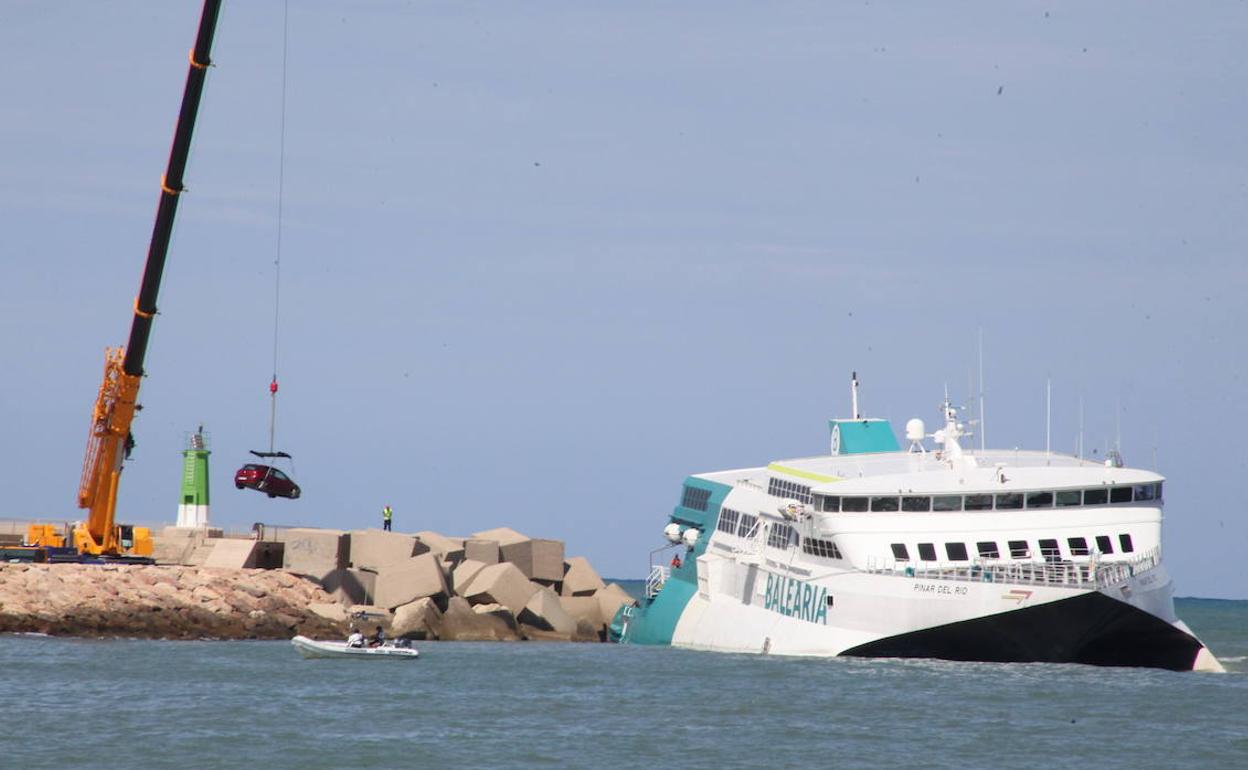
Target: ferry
x,y
931,550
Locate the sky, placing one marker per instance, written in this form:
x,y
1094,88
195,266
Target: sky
x,y
541,261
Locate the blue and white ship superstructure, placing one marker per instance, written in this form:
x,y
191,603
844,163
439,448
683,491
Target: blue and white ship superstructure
x,y
924,551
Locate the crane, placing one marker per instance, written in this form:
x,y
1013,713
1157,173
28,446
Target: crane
x,y
109,440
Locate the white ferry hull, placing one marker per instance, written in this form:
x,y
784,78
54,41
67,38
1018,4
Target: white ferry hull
x,y
873,615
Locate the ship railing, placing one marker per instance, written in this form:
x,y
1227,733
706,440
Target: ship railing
x,y
1116,572
655,580
1091,574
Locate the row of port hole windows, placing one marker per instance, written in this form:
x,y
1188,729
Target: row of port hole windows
x,y
1018,549
1001,501
779,536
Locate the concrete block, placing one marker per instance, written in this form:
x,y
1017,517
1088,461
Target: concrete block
x,y
501,535
416,620
366,617
544,611
404,582
184,545
167,550
268,555
447,548
231,554
584,608
484,551
588,632
369,614
538,559
533,633
313,551
460,623
610,599
329,611
502,583
376,548
580,578
350,586
463,574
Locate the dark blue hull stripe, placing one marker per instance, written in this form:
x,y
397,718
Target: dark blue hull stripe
x,y
1090,628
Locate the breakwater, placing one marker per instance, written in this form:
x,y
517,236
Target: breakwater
x,y
161,602
496,585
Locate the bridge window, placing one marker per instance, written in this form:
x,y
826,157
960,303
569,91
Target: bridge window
x,y
956,551
1095,496
1050,551
728,521
900,552
1068,497
979,502
1104,544
695,498
853,504
884,504
1009,501
785,488
781,536
1120,495
1078,546
916,504
1039,499
927,552
947,503
748,526
829,503
988,549
1019,549
1145,492
1124,540
822,548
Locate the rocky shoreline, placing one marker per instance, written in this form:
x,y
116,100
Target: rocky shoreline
x,y
161,602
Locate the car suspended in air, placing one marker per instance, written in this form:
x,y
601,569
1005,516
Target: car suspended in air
x,y
266,478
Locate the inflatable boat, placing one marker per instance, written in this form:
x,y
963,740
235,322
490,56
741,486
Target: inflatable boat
x,y
311,648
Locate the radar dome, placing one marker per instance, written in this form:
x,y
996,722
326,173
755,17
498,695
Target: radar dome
x,y
915,429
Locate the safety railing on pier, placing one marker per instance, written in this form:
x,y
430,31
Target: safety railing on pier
x,y
1091,574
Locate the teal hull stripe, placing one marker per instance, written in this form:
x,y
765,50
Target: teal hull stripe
x,y
654,623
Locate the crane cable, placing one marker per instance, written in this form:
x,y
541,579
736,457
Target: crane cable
x,y
277,279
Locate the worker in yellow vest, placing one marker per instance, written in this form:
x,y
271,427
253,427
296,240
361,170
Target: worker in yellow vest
x,y
386,516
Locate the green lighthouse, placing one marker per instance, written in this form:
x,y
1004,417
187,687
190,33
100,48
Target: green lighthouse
x,y
193,508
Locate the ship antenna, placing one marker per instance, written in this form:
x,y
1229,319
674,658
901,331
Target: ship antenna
x,y
1048,413
1118,426
853,395
983,421
1080,443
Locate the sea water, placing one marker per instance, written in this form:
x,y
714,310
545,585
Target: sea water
x,y
164,704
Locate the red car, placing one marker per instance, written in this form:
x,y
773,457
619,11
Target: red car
x,y
267,479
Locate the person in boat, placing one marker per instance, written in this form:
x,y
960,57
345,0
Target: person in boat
x,y
675,561
356,639
379,638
